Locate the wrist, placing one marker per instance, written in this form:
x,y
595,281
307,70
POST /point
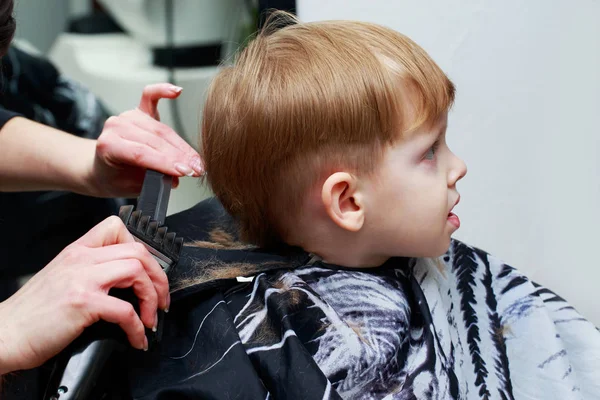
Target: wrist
x,y
78,172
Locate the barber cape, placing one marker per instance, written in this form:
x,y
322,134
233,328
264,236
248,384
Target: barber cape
x,y
466,326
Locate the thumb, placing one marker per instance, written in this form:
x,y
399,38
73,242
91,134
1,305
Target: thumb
x,y
108,232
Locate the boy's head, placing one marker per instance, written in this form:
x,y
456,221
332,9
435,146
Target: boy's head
x,y
321,134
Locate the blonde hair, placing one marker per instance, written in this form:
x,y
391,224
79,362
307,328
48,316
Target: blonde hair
x,y
303,101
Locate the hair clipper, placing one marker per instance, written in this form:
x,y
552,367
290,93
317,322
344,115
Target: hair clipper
x,y
77,378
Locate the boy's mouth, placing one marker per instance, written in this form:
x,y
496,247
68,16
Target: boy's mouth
x,y
453,218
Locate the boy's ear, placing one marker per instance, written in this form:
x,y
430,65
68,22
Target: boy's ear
x,y
343,201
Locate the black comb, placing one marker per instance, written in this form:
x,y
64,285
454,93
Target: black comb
x,y
146,222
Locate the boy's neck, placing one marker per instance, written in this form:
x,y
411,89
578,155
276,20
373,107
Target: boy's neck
x,y
346,258
345,249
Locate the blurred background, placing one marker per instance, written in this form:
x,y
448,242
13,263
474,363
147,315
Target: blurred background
x,y
525,119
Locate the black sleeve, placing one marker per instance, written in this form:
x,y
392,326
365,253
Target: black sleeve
x,y
5,115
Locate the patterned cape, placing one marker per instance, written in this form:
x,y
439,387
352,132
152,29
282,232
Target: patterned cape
x,y
465,326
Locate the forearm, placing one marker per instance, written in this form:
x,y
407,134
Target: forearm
x,y
36,157
8,359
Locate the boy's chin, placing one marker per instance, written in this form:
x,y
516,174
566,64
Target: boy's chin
x,y
437,249
444,247
433,252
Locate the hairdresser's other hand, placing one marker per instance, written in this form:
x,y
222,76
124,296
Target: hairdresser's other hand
x,y
71,293
137,140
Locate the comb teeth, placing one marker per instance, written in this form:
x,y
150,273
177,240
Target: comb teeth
x,y
151,232
170,238
160,235
178,245
135,217
152,228
143,223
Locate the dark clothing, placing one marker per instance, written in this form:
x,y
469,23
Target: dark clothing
x,y
36,226
5,116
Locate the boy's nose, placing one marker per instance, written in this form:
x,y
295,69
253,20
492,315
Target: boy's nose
x,y
457,171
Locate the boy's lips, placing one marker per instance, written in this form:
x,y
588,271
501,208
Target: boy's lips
x,y
453,218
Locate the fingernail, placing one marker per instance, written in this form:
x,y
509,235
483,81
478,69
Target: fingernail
x,y
168,302
145,343
184,169
155,327
197,166
176,89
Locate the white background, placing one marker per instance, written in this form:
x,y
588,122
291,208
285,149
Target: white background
x,y
525,121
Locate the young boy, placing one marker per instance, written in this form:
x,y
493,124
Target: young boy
x,y
337,130
329,137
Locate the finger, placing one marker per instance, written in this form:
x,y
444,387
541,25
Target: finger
x,y
139,252
145,130
144,156
110,231
117,311
185,153
175,182
153,93
130,274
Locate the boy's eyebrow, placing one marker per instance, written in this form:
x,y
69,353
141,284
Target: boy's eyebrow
x,y
437,133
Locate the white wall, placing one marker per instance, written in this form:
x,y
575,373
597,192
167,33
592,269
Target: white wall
x,y
525,121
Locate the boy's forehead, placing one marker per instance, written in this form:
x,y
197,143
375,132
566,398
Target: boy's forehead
x,y
434,126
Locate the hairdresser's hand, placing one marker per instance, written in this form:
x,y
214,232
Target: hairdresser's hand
x,y
136,140
71,293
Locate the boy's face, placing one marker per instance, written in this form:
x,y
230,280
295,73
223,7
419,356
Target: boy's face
x,y
412,195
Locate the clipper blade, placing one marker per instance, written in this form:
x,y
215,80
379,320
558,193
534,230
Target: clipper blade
x,y
164,246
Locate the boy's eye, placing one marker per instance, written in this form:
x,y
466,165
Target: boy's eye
x,y
430,155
